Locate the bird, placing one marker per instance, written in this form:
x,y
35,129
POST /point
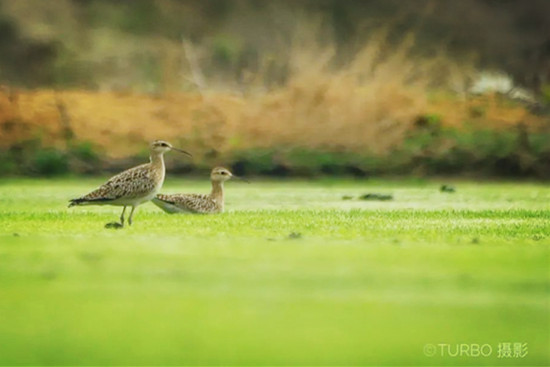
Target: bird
x,y
198,203
132,187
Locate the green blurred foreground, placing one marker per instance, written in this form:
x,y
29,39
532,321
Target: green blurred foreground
x,y
291,274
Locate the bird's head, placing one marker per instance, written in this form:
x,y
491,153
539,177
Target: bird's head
x,y
221,174
161,146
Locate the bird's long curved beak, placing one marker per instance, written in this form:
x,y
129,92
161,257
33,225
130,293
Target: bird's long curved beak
x,y
182,151
240,178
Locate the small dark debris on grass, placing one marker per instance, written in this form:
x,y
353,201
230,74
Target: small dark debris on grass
x,y
374,196
475,241
447,188
16,235
294,235
114,225
347,197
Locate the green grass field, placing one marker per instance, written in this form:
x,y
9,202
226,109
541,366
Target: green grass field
x,y
290,274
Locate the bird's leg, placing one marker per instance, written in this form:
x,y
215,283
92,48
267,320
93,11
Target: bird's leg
x,y
122,216
131,214
116,224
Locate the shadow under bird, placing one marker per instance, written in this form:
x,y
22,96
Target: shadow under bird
x,y
132,187
198,203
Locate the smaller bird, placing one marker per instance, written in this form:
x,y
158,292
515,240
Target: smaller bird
x,y
132,187
198,203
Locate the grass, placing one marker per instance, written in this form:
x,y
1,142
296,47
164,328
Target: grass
x,y
291,274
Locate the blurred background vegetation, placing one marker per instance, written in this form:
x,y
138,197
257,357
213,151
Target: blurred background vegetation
x,y
286,87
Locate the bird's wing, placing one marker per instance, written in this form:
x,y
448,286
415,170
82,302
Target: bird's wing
x,y
196,203
134,182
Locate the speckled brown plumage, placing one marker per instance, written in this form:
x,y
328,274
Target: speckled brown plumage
x,y
133,183
197,203
132,187
193,203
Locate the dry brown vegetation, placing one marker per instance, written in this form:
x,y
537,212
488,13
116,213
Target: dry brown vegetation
x,y
367,105
382,109
339,115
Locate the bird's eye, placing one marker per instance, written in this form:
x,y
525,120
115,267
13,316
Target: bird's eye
x,y
223,173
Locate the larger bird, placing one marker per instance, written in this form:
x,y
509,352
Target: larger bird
x,y
132,187
198,203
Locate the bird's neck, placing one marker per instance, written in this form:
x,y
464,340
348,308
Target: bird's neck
x,y
157,161
217,191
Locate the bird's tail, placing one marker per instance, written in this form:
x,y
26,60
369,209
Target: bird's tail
x,y
164,205
74,202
